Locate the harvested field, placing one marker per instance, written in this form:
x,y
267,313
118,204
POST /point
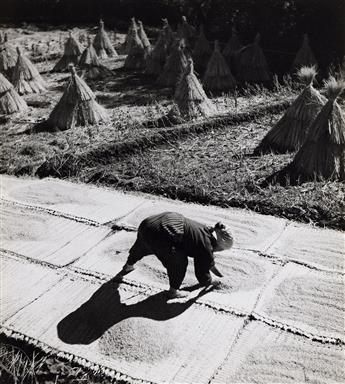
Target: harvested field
x,y
208,162
216,167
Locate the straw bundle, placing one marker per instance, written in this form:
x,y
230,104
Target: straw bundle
x,y
202,51
71,54
231,48
186,31
102,43
168,34
136,58
322,156
26,78
90,64
10,101
190,97
143,37
174,67
156,58
291,130
305,56
252,64
218,76
128,42
77,106
8,56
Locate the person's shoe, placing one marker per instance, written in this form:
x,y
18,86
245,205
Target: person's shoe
x,y
176,294
117,278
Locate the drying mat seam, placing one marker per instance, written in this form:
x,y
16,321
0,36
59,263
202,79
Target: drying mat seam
x,y
297,331
27,259
96,368
147,290
96,276
53,212
287,223
247,320
289,328
282,261
115,227
64,271
112,223
253,316
33,300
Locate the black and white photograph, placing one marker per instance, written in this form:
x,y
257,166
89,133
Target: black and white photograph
x,y
172,191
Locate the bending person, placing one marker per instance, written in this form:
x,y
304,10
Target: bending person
x,y
172,238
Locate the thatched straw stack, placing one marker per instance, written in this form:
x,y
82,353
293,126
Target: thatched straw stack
x,y
218,76
202,51
305,56
143,37
190,97
252,64
71,55
156,58
26,78
77,106
232,47
322,156
91,65
128,42
174,66
102,43
186,31
291,130
10,101
8,57
136,58
168,34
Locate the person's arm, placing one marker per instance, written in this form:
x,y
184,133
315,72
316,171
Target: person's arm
x,y
204,263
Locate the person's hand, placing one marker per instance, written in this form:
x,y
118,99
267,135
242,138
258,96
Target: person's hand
x,y
216,272
127,268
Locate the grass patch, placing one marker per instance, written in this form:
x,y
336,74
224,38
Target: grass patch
x,y
21,363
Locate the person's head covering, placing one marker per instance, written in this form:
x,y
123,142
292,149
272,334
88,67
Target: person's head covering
x,y
224,238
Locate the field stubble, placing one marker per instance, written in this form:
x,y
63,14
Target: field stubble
x,y
207,162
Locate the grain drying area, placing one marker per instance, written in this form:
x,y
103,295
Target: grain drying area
x,y
102,127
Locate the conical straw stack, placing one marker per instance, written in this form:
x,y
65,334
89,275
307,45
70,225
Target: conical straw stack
x,y
218,76
190,97
71,55
26,78
290,132
77,106
10,101
102,43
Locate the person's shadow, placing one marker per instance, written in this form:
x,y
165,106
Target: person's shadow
x,y
104,309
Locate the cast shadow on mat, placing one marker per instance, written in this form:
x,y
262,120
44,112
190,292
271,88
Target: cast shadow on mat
x,y
104,309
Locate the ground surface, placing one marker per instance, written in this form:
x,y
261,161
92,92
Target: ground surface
x,y
278,314
209,165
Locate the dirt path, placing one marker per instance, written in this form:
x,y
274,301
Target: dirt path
x,y
277,316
